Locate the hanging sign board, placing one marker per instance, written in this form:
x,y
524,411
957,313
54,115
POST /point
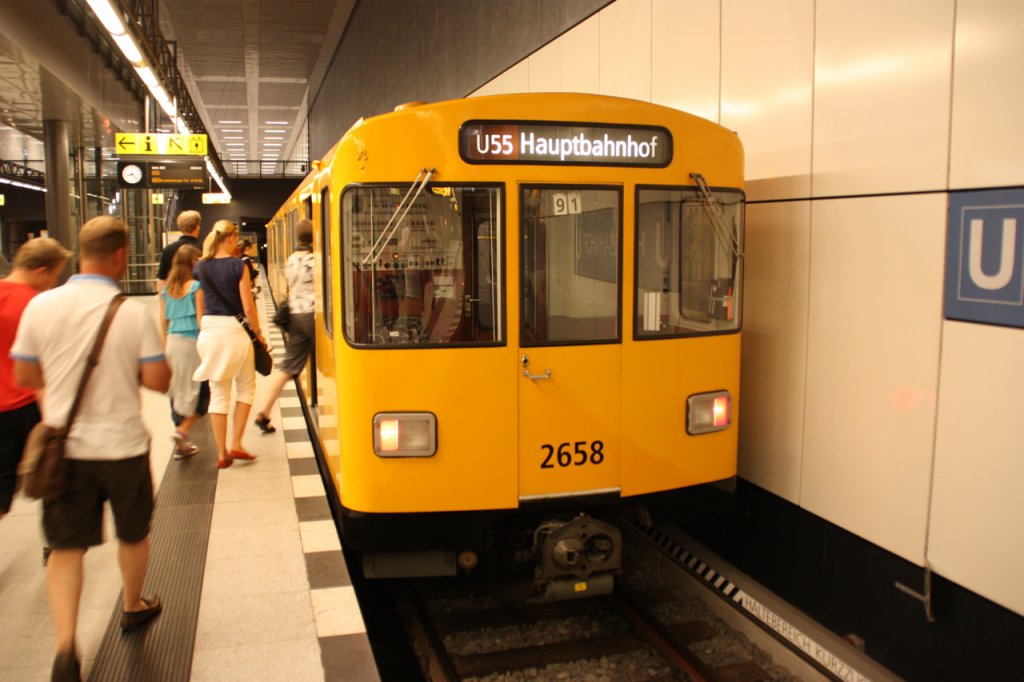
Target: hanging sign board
x,y
216,198
177,175
159,144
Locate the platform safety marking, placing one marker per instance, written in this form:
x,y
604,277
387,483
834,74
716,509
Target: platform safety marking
x,y
782,627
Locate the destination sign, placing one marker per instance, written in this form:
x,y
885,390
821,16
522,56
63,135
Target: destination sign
x,y
564,143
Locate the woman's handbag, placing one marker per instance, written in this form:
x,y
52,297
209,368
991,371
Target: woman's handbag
x,y
43,469
264,363
283,315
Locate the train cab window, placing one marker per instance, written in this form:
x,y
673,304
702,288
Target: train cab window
x,y
423,268
570,246
687,262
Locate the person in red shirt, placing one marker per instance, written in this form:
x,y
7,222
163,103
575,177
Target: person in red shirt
x,y
37,266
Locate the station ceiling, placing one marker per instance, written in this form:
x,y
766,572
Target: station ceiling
x,y
251,67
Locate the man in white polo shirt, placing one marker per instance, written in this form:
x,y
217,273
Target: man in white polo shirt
x,y
108,448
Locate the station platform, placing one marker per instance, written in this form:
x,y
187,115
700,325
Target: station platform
x,y
247,562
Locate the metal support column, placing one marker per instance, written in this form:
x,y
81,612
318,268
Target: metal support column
x,y
58,183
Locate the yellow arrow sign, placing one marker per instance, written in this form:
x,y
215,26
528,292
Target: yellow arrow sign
x,y
158,198
124,143
160,144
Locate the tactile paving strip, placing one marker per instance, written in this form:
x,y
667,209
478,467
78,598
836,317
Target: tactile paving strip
x,y
162,650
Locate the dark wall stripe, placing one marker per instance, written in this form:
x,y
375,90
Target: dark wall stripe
x,y
395,51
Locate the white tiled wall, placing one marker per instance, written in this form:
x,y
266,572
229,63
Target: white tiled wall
x,y
987,141
977,503
685,48
873,351
856,120
776,279
625,49
580,66
881,96
766,94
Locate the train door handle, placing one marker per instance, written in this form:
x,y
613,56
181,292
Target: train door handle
x,y
533,377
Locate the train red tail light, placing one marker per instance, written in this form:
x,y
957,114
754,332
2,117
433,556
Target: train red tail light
x,y
708,412
404,434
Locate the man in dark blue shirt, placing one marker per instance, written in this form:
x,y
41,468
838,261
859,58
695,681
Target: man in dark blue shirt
x,y
188,224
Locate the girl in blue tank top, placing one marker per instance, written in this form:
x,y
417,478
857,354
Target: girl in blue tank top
x,y
181,308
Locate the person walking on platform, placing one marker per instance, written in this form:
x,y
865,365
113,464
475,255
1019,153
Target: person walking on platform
x,y
301,302
181,308
225,350
37,267
107,451
189,223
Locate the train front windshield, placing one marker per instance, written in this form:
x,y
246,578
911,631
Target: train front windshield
x,y
423,269
689,260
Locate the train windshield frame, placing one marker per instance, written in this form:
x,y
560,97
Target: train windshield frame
x,y
423,267
689,263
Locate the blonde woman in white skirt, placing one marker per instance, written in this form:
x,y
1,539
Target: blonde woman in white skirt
x,y
224,347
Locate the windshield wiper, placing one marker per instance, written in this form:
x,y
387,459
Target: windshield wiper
x,y
385,236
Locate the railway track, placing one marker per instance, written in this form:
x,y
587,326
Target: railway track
x,y
473,630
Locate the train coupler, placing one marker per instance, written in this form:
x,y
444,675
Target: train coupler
x,y
578,557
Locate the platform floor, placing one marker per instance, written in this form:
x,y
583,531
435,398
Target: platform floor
x,y
247,562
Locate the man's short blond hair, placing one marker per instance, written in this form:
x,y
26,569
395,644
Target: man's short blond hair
x,y
189,220
100,237
41,252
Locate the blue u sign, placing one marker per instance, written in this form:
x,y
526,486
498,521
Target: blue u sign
x,y
985,257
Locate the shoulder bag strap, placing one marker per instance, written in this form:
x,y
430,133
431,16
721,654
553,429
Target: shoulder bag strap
x,y
94,357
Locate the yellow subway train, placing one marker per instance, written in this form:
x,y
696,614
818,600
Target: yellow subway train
x,y
528,313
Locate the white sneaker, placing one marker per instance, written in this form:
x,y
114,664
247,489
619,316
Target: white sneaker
x,y
183,447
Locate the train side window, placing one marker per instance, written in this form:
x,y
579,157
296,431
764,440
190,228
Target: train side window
x,y
688,273
422,268
327,270
569,257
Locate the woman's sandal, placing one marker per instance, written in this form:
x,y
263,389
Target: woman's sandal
x,y
263,422
224,463
239,454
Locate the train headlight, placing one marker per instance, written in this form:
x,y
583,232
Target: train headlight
x,y
405,434
708,412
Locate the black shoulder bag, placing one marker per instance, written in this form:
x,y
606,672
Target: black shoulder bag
x,y
264,363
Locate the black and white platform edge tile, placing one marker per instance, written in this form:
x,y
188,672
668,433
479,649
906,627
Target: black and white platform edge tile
x,y
344,648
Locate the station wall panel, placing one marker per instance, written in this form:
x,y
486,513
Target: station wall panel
x,y
987,138
685,49
515,79
579,49
872,365
625,56
977,511
881,105
767,86
545,67
776,277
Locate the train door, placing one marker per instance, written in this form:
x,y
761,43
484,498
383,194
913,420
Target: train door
x,y
570,353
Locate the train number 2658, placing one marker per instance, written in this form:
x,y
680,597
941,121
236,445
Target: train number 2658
x,y
573,454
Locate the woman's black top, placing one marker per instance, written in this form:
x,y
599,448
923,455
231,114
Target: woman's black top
x,y
223,274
